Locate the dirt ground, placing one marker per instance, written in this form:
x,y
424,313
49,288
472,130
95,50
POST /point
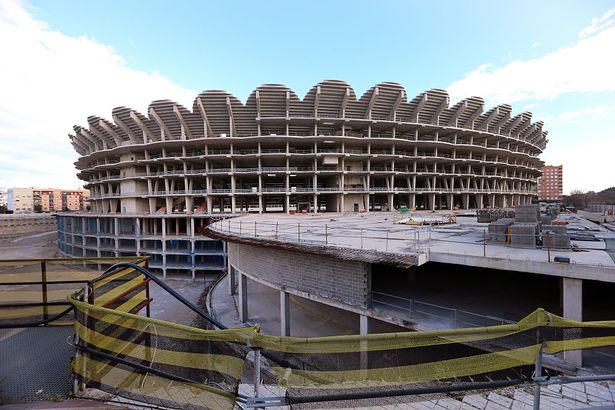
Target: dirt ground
x,y
30,246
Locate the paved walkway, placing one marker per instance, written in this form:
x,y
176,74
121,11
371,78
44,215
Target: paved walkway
x,y
553,397
34,364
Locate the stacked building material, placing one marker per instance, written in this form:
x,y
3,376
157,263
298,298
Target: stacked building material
x,y
546,219
524,234
491,215
555,237
552,240
527,213
498,230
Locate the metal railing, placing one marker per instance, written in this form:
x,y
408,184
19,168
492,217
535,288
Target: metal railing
x,y
328,235
40,281
446,317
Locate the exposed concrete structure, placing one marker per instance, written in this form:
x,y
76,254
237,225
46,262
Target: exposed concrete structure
x,y
282,256
173,243
331,151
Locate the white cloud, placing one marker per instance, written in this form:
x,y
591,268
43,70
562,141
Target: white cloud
x,y
598,24
598,111
50,81
536,44
586,66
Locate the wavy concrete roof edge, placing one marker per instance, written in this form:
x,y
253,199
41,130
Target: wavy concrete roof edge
x,y
359,105
279,87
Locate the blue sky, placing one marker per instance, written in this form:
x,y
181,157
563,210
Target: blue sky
x,y
77,58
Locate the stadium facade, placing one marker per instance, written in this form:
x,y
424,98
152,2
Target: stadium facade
x,y
157,180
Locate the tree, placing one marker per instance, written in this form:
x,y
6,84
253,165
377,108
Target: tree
x,y
38,208
3,209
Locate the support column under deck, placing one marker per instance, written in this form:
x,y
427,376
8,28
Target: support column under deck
x,y
243,297
572,295
364,330
284,313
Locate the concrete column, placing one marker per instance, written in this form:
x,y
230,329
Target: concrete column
x,y
363,325
390,201
364,330
412,204
315,203
287,204
572,295
243,297
284,314
479,201
432,202
232,280
465,199
449,199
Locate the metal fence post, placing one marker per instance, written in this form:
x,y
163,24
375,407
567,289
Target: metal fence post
x,y
257,372
484,243
537,373
240,227
44,289
255,229
298,232
386,243
276,231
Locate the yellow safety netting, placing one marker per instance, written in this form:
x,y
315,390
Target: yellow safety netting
x,y
180,366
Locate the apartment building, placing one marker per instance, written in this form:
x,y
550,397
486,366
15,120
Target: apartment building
x,y
20,200
550,184
27,200
4,200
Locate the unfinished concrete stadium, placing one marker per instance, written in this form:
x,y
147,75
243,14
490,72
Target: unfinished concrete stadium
x,y
157,179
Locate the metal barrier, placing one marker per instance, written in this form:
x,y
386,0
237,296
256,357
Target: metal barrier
x,y
33,292
327,235
449,317
162,363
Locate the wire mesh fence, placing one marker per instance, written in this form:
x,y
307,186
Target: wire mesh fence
x,y
165,364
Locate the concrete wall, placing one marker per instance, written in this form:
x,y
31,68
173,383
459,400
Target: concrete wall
x,y
322,276
15,225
